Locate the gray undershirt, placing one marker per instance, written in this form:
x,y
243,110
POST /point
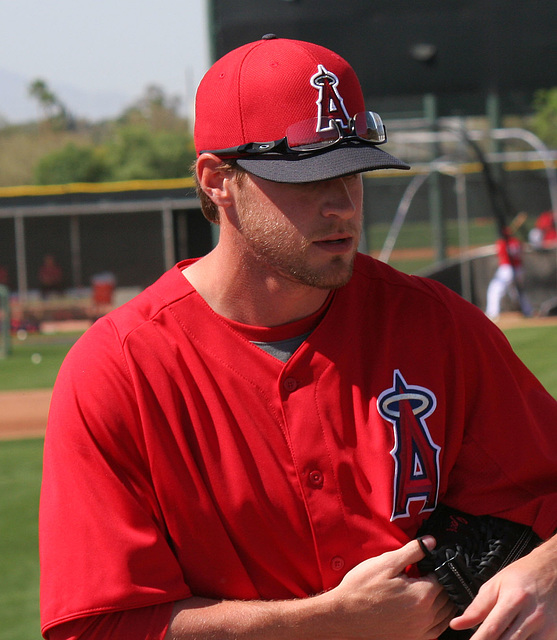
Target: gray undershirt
x,y
282,349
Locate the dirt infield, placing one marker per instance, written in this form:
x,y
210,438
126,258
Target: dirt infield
x,y
23,414
513,320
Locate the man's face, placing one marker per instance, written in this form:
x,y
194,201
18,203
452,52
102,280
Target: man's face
x,y
305,233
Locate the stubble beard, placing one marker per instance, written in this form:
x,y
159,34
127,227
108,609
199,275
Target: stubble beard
x,y
278,249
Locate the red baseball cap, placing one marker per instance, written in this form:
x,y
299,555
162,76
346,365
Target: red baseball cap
x,y
256,92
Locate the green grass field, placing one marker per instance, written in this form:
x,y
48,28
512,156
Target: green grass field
x,y
34,361
20,477
20,468
537,348
418,236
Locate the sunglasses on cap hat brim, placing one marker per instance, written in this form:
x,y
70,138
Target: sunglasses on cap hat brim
x,y
317,149
313,134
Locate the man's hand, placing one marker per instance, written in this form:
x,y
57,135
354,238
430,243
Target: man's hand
x,y
519,602
378,600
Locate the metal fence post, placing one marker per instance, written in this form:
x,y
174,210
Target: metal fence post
x,y
5,323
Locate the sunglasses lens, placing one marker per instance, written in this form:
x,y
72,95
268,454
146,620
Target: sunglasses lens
x,y
312,134
369,126
318,133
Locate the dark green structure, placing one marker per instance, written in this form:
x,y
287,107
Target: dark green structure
x,y
472,55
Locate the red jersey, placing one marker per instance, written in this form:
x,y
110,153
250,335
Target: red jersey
x,y
181,458
509,251
546,223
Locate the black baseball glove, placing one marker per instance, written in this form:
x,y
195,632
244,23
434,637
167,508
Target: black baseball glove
x,y
469,551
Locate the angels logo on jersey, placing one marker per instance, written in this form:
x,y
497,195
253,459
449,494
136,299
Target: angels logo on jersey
x,y
330,104
416,456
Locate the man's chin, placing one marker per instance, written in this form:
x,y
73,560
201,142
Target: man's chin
x,y
335,276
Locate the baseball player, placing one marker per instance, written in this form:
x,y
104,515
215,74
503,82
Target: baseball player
x,y
508,277
248,448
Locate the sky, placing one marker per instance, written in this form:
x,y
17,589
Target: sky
x,y
100,52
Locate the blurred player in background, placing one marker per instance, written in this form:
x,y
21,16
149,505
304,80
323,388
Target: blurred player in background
x,y
508,277
544,233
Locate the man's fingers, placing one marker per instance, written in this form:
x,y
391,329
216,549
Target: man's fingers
x,y
411,553
473,615
478,612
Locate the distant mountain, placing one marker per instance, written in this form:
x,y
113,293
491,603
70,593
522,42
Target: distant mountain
x,y
16,106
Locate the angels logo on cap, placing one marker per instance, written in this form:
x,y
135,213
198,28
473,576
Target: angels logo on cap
x,y
254,105
329,104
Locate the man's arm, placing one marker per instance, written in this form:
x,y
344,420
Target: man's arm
x,y
519,602
376,600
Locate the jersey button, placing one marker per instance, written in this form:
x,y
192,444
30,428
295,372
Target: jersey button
x,y
316,479
290,384
337,563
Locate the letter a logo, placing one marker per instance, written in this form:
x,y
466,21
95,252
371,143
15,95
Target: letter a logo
x,y
330,104
416,456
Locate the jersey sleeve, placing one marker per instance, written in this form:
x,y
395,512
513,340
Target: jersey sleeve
x,y
507,461
148,623
103,543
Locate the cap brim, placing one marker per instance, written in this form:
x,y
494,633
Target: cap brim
x,y
312,167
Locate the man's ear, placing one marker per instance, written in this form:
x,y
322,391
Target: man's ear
x,y
213,181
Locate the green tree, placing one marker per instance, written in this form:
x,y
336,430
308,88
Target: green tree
x,y
47,100
133,152
149,141
155,109
137,153
544,123
54,110
72,163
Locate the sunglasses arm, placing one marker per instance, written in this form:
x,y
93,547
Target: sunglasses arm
x,y
250,148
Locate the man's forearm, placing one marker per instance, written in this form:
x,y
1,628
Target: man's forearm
x,y
205,619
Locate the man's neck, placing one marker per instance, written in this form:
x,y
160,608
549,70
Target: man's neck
x,y
265,302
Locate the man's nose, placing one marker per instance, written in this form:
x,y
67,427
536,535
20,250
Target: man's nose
x,y
339,199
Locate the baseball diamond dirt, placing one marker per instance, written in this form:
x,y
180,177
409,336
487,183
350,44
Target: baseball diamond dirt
x,y
23,414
